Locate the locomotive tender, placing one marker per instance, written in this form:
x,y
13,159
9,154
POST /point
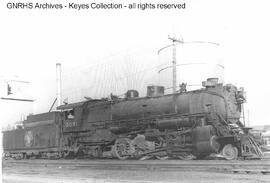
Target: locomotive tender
x,y
197,123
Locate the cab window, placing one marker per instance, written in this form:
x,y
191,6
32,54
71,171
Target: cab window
x,y
69,114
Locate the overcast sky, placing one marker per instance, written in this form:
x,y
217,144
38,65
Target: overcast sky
x,y
32,42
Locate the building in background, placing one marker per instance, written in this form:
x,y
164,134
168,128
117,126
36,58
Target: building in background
x,y
16,100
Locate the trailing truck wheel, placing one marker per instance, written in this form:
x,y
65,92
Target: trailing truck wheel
x,y
230,152
122,148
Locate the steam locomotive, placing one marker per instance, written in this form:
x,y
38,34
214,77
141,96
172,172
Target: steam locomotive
x,y
181,125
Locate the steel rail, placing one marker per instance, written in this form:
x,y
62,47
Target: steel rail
x,y
252,166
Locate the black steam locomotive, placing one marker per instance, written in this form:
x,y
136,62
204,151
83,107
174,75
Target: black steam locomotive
x,y
181,125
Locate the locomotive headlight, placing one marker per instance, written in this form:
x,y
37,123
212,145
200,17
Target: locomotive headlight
x,y
241,95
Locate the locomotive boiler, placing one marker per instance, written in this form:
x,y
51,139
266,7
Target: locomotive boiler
x,y
180,125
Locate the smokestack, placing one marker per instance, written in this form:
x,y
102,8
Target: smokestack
x,y
59,84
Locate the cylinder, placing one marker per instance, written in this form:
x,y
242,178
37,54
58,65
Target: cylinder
x,y
203,140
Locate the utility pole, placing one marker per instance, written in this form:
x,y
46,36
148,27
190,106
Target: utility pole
x,y
59,84
174,81
248,118
174,61
244,120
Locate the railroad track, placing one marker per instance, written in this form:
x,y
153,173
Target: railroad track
x,y
262,167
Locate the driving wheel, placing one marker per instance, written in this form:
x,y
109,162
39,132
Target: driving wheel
x,y
122,148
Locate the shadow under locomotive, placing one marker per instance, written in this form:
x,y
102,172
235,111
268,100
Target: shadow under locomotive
x,y
185,125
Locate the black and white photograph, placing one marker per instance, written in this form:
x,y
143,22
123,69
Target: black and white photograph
x,y
132,91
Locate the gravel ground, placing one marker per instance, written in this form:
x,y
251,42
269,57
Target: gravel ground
x,y
43,174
